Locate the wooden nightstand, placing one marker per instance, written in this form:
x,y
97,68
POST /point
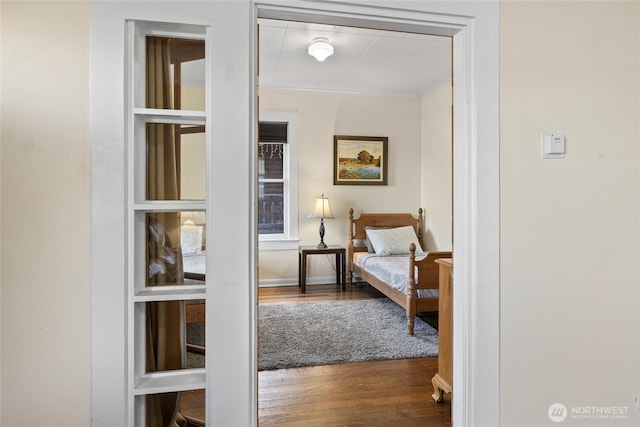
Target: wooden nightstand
x,y
443,380
341,256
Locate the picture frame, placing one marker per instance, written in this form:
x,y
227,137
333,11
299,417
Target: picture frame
x,y
360,160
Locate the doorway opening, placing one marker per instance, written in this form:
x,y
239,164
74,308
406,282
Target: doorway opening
x,y
476,187
345,94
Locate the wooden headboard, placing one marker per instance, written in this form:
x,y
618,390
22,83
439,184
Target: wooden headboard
x,y
356,225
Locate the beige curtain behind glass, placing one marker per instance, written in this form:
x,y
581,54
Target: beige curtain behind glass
x,y
165,341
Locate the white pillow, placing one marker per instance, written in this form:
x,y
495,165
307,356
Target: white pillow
x,y
191,239
394,241
367,241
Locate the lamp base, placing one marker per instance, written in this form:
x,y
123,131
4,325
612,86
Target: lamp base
x,y
321,245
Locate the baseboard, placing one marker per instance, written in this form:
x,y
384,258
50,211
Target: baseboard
x,y
324,280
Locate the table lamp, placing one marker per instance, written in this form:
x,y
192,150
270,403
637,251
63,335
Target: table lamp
x,y
321,210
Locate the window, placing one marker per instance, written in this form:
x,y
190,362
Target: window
x,y
272,156
277,181
166,142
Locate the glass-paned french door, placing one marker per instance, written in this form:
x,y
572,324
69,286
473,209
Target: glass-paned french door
x,y
167,144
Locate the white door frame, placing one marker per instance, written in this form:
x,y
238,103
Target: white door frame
x,y
474,27
476,183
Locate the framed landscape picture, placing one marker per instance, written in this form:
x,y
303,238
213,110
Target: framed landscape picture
x,y
360,160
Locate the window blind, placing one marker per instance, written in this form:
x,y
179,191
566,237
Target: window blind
x,y
272,132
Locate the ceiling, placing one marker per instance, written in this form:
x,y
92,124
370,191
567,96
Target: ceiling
x,y
365,61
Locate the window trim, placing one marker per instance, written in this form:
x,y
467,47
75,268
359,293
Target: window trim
x,y
289,239
139,382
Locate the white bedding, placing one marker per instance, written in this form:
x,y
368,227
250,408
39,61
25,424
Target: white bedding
x,y
194,263
392,270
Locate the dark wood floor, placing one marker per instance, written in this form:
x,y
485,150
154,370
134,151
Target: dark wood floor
x,y
379,393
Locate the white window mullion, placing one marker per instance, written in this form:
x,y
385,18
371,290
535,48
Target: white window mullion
x,y
166,382
168,205
183,117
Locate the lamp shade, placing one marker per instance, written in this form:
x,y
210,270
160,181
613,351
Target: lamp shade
x,y
321,208
320,48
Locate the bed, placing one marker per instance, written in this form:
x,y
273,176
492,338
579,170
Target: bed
x,y
383,250
194,266
193,248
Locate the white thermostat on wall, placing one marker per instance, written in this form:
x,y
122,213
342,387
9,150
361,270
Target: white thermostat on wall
x,y
552,145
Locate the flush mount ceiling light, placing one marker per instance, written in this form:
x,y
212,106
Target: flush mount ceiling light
x,y
320,48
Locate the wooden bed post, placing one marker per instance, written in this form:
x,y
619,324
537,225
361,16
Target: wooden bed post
x,y
411,291
420,225
350,249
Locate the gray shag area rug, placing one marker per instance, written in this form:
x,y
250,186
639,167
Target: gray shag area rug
x,y
310,334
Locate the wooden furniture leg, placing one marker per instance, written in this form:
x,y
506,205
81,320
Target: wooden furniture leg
x,y
343,266
440,387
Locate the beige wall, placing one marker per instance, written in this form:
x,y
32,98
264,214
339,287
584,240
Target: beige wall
x,y
569,228
45,312
320,117
437,179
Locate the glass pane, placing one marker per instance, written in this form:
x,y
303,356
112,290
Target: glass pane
x,y
192,406
271,161
161,407
175,162
192,163
175,73
195,315
176,247
156,410
271,208
174,335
